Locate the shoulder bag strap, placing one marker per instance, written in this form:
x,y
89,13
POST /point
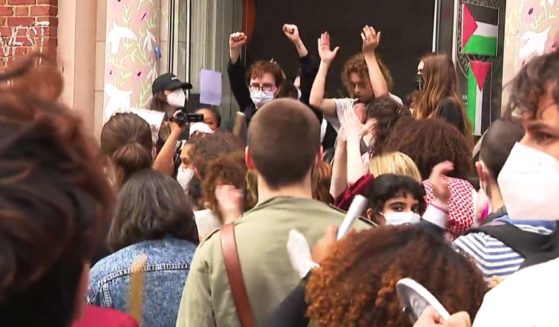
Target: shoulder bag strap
x,y
235,275
524,243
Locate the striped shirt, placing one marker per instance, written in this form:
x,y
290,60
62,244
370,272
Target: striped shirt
x,y
493,257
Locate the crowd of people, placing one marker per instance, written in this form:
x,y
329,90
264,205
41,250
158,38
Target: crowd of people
x,y
191,225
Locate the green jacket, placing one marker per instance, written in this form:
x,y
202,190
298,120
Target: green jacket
x,y
261,236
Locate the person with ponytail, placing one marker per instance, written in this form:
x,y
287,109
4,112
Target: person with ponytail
x,y
126,140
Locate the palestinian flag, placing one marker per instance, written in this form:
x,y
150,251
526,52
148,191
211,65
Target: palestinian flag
x,y
479,95
480,30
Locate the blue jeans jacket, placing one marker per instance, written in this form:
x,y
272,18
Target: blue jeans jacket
x,y
168,263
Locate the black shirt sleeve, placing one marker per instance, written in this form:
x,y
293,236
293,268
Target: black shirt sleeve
x,y
292,310
449,111
239,88
309,69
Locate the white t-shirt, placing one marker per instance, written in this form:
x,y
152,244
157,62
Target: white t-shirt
x,y
344,104
528,298
206,222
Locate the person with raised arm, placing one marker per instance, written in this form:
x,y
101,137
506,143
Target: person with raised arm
x,y
364,75
259,86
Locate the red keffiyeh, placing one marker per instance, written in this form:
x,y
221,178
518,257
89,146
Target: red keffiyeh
x,y
343,201
461,206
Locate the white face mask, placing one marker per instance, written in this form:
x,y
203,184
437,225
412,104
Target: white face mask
x,y
176,98
260,97
184,176
401,218
529,183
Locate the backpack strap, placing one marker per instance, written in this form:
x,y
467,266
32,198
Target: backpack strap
x,y
525,243
235,275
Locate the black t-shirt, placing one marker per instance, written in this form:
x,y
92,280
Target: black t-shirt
x,y
450,112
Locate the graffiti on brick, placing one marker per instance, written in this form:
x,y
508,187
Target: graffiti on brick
x,y
19,36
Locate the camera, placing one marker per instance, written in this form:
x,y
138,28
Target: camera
x,y
182,117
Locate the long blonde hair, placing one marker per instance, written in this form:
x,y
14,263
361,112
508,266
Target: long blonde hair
x,y
440,81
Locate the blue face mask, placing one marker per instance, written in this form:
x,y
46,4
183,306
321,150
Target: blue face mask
x,y
260,97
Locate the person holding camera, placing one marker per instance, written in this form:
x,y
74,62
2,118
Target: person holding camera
x,y
169,96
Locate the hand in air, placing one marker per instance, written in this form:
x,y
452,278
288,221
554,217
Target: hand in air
x,y
237,40
371,39
291,32
324,49
439,180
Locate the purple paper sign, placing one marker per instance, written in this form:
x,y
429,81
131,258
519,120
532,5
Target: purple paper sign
x,y
210,87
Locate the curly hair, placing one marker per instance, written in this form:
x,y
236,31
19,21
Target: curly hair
x,y
429,142
530,85
55,199
357,64
356,286
228,169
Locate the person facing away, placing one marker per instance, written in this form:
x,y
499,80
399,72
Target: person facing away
x,y
55,202
152,218
127,141
283,147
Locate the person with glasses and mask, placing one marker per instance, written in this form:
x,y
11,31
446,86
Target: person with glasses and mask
x,y
262,82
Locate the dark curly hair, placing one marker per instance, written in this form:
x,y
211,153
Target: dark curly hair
x,y
387,113
429,142
54,197
356,285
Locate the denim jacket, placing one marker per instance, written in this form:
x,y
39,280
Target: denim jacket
x,y
166,269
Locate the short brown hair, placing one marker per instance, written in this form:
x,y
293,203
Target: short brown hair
x,y
151,206
210,147
356,286
259,68
429,142
357,64
284,140
126,139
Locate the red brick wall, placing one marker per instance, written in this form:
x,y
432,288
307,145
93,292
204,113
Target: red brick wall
x,y
27,25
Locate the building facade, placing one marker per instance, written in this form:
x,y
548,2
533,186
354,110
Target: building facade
x,y
110,51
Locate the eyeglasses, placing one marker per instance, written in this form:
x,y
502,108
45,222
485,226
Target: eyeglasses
x,y
263,87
